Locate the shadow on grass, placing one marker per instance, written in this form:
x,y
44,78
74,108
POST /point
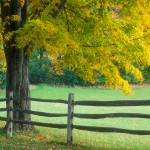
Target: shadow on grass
x,y
24,140
58,144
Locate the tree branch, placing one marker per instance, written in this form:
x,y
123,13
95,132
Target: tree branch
x,y
67,21
37,12
113,44
79,15
97,45
59,8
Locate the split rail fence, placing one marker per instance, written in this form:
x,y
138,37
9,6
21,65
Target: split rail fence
x,y
71,114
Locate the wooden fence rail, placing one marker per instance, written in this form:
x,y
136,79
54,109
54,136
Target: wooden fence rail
x,y
111,115
108,129
60,126
3,99
49,100
114,103
3,109
71,115
3,118
39,113
35,112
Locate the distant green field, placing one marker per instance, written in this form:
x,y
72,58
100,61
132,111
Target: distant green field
x,y
45,91
85,139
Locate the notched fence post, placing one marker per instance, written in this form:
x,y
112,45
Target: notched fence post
x,y
70,118
9,124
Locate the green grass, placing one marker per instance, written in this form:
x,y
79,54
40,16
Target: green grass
x,y
46,91
47,138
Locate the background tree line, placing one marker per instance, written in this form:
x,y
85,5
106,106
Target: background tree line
x,y
42,71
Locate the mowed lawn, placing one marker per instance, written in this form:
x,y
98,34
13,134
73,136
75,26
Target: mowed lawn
x,y
48,138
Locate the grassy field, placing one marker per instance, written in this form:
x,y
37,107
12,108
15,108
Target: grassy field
x,y
47,138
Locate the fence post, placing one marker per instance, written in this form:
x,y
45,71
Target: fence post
x,y
9,124
70,118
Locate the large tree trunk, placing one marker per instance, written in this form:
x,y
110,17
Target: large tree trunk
x,y
18,82
17,61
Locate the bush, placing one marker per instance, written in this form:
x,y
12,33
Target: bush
x,y
146,74
68,78
39,68
2,78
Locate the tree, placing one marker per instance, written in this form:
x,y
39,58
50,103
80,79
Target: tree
x,y
14,14
86,36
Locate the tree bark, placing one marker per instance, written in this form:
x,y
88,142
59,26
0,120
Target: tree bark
x,y
16,60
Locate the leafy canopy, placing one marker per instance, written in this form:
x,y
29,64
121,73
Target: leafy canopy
x,y
91,36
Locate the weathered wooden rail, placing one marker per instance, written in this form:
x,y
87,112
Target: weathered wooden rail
x,y
71,114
